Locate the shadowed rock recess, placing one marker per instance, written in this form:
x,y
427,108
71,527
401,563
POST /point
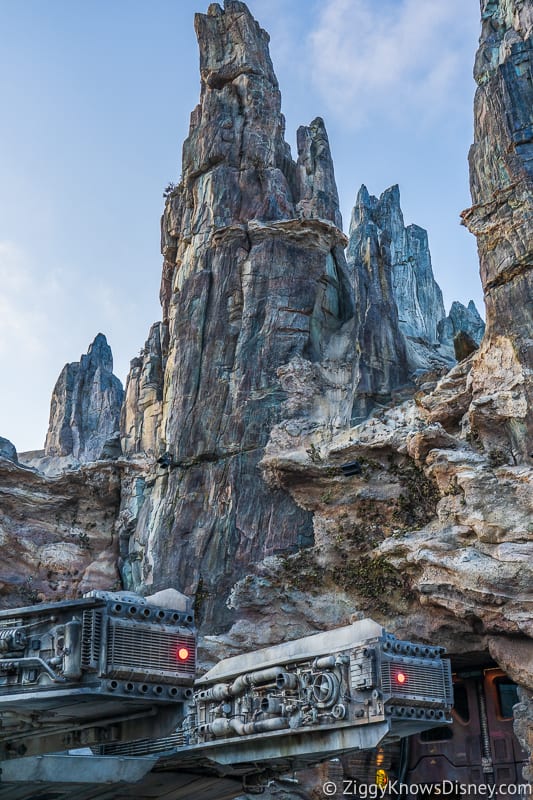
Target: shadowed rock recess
x,y
277,360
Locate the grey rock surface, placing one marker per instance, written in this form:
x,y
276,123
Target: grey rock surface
x,y
397,299
461,318
8,450
501,217
85,406
141,414
247,387
384,364
461,572
258,306
57,532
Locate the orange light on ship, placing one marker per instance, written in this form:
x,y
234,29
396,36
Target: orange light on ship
x,y
401,678
183,654
382,778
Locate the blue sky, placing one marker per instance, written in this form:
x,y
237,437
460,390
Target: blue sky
x,y
95,101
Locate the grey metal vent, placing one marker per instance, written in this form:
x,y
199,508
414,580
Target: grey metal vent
x,y
14,622
143,747
427,683
91,639
135,651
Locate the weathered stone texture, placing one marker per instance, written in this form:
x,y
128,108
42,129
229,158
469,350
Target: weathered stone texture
x,y
501,217
254,280
141,414
56,534
266,334
523,726
384,364
85,406
461,318
8,450
461,571
397,299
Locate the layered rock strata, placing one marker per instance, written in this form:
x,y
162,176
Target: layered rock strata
x,y
255,362
501,217
434,537
57,534
384,362
85,406
141,414
397,298
258,307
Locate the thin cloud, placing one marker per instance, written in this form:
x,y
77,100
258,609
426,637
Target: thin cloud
x,y
22,321
32,299
391,59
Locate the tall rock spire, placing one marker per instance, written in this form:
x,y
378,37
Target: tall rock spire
x,y
398,300
501,217
384,364
255,287
85,405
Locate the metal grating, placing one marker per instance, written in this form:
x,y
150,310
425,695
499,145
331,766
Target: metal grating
x,y
426,682
91,639
143,747
149,651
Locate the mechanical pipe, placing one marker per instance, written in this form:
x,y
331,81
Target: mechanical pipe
x,y
221,727
282,679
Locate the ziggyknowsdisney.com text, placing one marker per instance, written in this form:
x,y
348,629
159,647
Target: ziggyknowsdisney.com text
x,y
445,789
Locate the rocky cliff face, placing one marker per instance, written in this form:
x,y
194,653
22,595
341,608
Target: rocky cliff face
x,y
435,536
8,450
258,306
416,294
245,390
57,534
384,364
461,318
142,410
501,217
398,300
57,524
85,406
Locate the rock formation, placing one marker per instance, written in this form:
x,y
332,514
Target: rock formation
x,y
142,409
416,294
85,406
237,412
434,536
397,299
461,318
8,450
57,533
384,364
65,544
501,217
257,324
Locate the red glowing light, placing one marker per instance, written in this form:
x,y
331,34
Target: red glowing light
x,y
183,654
401,677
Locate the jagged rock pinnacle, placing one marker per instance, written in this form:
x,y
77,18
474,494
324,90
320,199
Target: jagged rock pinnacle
x,y
255,295
501,217
85,405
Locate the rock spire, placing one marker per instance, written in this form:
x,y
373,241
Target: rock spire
x,y
461,318
384,364
398,300
257,324
85,405
501,217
